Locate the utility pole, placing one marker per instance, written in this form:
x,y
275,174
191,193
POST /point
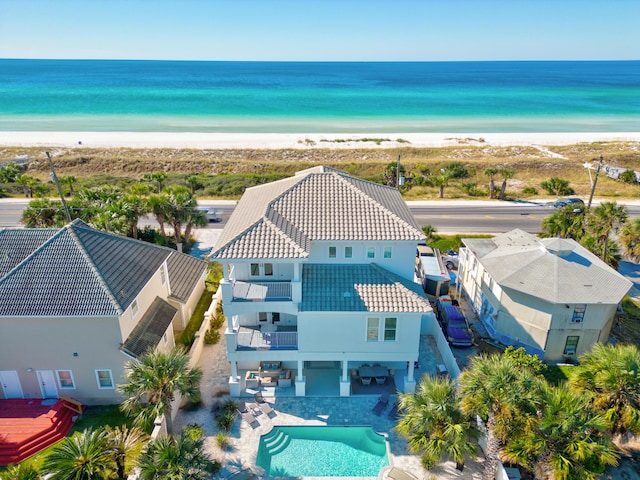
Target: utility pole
x,y
399,179
595,181
54,179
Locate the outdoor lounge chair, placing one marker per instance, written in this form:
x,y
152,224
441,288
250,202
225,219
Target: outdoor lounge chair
x,y
245,474
266,409
393,413
397,474
250,419
383,401
259,398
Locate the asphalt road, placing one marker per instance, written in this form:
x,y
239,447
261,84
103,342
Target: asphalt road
x,y
447,216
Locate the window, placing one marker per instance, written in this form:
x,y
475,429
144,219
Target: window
x,y
165,338
275,317
371,252
134,307
104,378
372,329
262,316
65,379
387,252
571,345
163,279
578,313
255,269
332,252
262,269
390,329
268,269
348,252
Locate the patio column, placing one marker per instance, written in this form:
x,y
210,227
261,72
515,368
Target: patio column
x,y
301,382
345,380
235,386
409,380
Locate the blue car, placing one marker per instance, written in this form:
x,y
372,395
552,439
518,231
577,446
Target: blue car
x,y
455,327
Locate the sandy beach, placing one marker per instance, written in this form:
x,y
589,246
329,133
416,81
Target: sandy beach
x,y
298,141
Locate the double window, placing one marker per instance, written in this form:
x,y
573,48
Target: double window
x,y
388,329
571,345
262,269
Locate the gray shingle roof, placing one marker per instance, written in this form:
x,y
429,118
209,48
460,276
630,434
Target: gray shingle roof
x,y
359,288
555,270
280,219
184,273
150,329
80,271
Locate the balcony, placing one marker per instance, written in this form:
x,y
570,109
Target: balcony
x,y
261,291
286,338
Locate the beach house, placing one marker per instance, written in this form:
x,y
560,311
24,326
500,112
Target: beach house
x,y
549,295
76,304
319,274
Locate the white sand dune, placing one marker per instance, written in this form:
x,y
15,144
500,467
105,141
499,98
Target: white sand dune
x,y
298,141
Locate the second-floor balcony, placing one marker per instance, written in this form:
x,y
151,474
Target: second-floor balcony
x,y
261,291
285,338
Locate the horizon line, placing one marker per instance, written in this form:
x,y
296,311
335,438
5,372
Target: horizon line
x,y
319,61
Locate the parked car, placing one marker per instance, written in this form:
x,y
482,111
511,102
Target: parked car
x,y
451,259
212,214
453,323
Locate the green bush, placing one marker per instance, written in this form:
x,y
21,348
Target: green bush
x,y
226,420
195,322
222,439
530,191
628,176
214,276
211,337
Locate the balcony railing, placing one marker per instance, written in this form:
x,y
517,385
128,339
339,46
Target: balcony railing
x,y
250,339
261,291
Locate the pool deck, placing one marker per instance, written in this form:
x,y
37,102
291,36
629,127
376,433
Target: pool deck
x,y
310,410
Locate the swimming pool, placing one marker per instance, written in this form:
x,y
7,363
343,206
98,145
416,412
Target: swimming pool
x,y
322,451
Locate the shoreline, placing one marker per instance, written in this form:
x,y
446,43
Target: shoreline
x,y
303,141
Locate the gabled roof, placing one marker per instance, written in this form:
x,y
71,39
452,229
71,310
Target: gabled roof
x,y
150,329
359,288
78,271
553,269
280,219
185,272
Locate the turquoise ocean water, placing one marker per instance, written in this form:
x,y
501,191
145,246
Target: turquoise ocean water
x,y
299,97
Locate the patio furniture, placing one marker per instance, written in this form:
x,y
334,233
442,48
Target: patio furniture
x,y
379,372
284,380
393,413
245,474
250,419
259,398
379,407
270,369
381,380
397,474
266,409
252,379
365,380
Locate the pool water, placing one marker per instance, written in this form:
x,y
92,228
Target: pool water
x,y
321,451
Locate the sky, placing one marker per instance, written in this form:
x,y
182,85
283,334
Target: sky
x,y
321,30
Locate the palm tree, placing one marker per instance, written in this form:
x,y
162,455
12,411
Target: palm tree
x,y
181,209
23,471
504,393
133,207
434,424
42,213
629,239
159,206
158,178
613,256
603,220
70,181
194,183
507,173
564,223
611,375
441,181
179,457
123,441
564,439
152,382
491,173
83,456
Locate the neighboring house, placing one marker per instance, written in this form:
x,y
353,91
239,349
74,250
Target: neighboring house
x,y
76,304
549,295
318,270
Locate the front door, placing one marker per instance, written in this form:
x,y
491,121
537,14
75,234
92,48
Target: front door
x,y
10,384
47,383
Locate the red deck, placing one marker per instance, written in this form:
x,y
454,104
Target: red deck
x,y
28,426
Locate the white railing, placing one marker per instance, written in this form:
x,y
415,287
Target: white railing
x,y
249,339
261,291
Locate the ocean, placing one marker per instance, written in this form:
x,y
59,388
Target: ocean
x,y
332,97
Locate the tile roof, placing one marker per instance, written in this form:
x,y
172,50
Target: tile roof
x,y
80,271
553,269
185,272
359,288
280,219
16,244
150,329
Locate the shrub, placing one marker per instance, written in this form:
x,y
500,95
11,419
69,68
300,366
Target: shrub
x,y
195,322
628,176
530,191
222,439
193,431
226,420
557,186
456,170
211,337
214,276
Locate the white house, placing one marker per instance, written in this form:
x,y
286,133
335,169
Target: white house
x,y
76,304
318,270
549,295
